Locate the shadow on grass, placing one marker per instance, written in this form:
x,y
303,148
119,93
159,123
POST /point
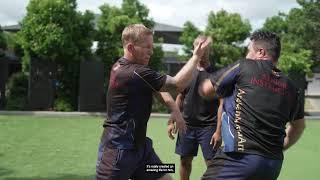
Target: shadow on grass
x,y
62,177
5,172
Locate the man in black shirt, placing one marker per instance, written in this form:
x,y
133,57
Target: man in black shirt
x,y
124,150
200,115
258,103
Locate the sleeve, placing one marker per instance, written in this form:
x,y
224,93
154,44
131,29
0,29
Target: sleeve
x,y
299,108
152,78
225,79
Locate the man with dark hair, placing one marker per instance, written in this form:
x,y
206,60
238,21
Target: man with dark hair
x,y
124,150
259,101
201,116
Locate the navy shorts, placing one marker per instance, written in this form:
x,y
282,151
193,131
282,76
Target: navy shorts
x,y
187,144
240,166
124,164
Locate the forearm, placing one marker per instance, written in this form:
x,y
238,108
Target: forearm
x,y
179,101
183,77
219,116
167,100
206,89
294,131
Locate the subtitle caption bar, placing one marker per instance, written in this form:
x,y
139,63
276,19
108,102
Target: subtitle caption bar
x,y
160,168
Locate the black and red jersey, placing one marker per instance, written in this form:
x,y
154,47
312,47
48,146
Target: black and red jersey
x,y
129,103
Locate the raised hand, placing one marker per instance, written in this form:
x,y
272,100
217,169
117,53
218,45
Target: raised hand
x,y
201,48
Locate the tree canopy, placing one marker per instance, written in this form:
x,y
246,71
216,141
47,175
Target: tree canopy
x,y
56,30
299,31
3,41
189,33
110,25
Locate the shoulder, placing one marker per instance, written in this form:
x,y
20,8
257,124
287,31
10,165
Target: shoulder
x,y
143,69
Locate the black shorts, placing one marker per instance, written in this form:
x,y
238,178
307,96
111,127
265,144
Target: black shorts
x,y
187,144
241,166
124,164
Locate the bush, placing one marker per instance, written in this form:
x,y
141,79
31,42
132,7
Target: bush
x,y
62,104
17,92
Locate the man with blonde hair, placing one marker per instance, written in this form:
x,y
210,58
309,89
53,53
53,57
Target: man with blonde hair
x,y
125,151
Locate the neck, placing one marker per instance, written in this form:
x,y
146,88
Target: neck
x,y
267,58
129,57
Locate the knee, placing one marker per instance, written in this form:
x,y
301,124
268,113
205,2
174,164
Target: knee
x,y
186,161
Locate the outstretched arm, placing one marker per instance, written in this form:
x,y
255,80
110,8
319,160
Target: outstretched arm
x,y
182,79
220,83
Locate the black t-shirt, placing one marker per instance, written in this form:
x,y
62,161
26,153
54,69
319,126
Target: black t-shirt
x,y
129,102
258,102
197,111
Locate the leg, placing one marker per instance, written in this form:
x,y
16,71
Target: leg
x,y
185,167
109,166
187,148
204,136
149,158
114,164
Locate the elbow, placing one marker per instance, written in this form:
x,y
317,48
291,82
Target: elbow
x,y
202,91
179,85
206,90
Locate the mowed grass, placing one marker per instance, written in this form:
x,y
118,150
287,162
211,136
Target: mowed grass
x,y
65,148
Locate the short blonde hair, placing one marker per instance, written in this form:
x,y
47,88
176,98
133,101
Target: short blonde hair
x,y
135,34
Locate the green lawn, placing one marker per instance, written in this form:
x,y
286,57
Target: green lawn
x,y
40,148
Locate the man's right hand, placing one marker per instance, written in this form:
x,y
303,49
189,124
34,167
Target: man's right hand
x,y
202,47
180,122
171,130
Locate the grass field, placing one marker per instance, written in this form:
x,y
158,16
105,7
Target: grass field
x,y
49,148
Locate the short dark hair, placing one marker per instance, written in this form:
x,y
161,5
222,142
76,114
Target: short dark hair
x,y
268,41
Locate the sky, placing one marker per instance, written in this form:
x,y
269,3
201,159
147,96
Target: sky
x,y
172,12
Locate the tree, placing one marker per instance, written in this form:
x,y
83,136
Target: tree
x,y
189,33
297,51
111,23
277,24
305,22
56,31
3,41
302,28
228,31
295,61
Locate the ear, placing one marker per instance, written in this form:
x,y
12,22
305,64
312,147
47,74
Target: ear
x,y
130,47
261,52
